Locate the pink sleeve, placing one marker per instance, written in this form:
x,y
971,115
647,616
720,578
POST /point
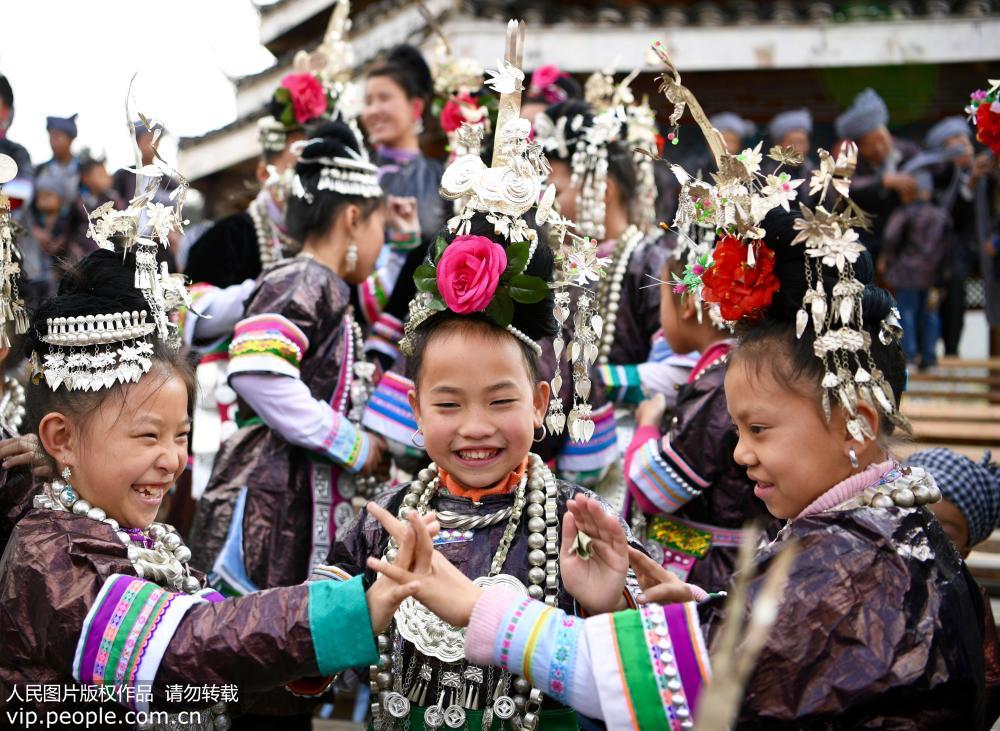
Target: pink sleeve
x,y
642,435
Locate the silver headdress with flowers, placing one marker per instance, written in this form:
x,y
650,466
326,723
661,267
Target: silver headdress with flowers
x,y
503,193
11,304
92,352
738,272
355,175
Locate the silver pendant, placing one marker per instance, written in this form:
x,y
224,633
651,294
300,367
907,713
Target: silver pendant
x,y
396,704
432,636
434,716
454,716
504,707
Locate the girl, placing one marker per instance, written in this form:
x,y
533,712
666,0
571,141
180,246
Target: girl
x,y
502,506
684,477
282,485
473,356
92,590
881,622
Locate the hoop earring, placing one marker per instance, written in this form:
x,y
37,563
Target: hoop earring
x,y
351,258
545,432
413,438
853,456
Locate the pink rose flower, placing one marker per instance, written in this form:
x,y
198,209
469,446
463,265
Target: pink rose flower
x,y
308,96
468,273
453,115
545,76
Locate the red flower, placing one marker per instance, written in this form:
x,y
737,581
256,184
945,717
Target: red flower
x,y
308,96
988,127
468,273
738,288
453,115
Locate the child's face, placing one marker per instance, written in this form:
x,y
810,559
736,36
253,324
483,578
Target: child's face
x,y
786,445
128,456
48,201
477,406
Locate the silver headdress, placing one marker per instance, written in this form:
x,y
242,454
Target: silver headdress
x,y
503,193
92,352
735,206
354,175
11,304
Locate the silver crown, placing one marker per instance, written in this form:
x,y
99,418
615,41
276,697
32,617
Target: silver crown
x,y
86,330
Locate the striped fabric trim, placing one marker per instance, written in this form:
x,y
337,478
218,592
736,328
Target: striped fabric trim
x,y
601,451
267,343
616,705
663,477
373,297
403,240
388,411
344,443
126,633
385,336
622,382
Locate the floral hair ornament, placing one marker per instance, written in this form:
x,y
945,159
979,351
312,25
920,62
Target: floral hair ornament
x,y
739,275
984,113
459,95
543,84
11,303
147,223
478,274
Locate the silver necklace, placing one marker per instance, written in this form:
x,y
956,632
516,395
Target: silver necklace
x,y
271,242
610,290
537,495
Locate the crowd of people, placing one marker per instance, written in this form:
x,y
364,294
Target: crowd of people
x,y
480,440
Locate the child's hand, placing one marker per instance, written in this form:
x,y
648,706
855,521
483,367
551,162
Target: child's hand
x,y
444,590
657,584
414,552
25,452
650,412
377,463
597,583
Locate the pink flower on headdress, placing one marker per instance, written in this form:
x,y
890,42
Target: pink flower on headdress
x,y
308,96
458,110
543,83
468,273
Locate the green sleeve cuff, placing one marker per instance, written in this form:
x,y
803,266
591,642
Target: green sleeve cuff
x,y
341,628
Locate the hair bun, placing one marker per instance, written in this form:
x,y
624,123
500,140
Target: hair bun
x,y
409,59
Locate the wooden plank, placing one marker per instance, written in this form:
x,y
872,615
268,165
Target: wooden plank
x,y
953,362
938,430
951,412
956,378
949,395
902,450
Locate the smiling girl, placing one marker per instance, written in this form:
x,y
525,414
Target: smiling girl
x,y
93,591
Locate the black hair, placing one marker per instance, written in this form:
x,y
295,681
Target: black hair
x,y
100,283
757,338
621,166
87,162
6,92
304,218
535,320
405,65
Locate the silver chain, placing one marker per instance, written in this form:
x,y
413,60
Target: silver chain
x,y
460,521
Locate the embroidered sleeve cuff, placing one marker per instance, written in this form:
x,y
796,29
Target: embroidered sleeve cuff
x,y
345,443
338,610
267,344
388,410
663,478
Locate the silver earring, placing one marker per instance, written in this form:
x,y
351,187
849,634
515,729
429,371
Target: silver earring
x,y
413,438
544,434
853,456
418,127
67,474
351,259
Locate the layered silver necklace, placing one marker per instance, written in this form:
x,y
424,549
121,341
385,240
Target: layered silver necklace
x,y
461,687
12,406
609,291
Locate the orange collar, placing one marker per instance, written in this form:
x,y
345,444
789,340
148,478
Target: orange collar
x,y
477,493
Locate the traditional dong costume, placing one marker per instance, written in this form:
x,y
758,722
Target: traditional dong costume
x,y
282,485
110,616
506,535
